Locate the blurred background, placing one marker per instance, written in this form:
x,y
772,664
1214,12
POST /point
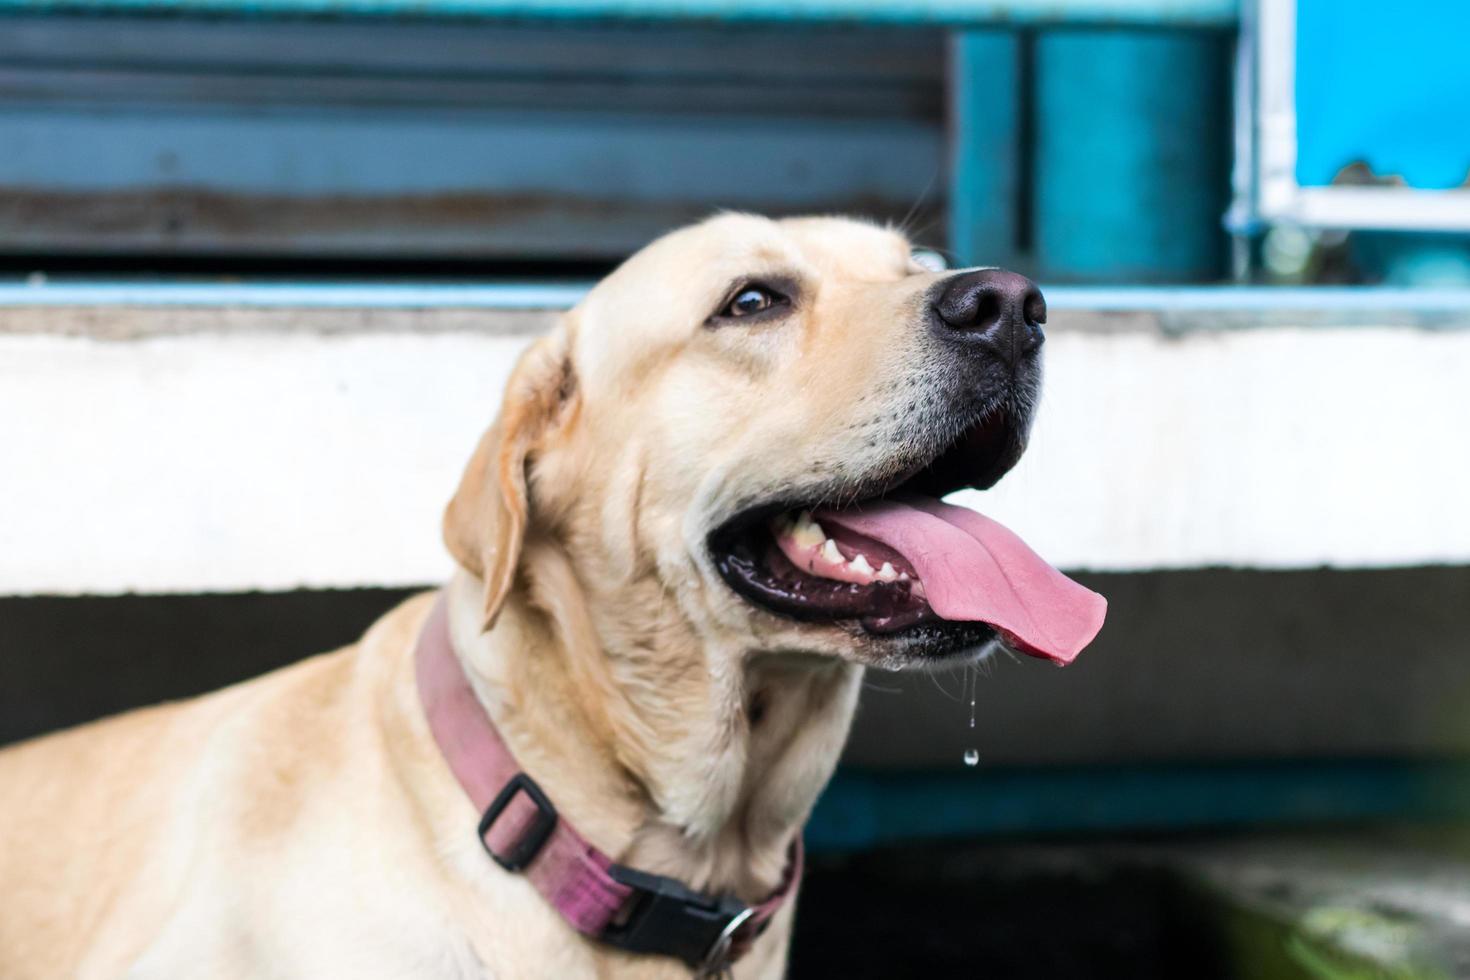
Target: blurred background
x,y
265,264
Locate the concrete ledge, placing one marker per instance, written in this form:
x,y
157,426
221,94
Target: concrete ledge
x,y
276,437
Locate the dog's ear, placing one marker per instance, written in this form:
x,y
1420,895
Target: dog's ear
x,y
485,522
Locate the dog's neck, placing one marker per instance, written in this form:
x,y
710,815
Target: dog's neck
x,y
674,757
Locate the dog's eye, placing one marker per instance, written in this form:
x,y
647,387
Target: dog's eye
x,y
752,299
929,260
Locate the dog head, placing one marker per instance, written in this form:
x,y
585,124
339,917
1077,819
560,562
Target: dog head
x,y
748,427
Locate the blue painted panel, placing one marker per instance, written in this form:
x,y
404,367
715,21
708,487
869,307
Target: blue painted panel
x,y
236,137
1388,85
423,182
722,161
1131,150
985,147
1181,12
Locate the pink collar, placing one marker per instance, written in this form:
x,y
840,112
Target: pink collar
x,y
521,830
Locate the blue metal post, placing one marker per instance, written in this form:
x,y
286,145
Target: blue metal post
x,y
984,146
1132,133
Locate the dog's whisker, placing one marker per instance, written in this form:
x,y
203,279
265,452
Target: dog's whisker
x,y
913,211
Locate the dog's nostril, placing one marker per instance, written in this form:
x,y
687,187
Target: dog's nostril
x,y
987,309
1033,308
992,310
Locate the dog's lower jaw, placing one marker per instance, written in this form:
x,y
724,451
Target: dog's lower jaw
x,y
656,762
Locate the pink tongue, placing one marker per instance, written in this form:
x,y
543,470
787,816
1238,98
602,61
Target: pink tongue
x,y
976,570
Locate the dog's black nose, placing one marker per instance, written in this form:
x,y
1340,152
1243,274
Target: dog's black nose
x,y
998,310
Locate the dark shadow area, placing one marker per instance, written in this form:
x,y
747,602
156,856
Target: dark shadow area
x,y
1192,666
64,661
1208,664
998,911
1271,665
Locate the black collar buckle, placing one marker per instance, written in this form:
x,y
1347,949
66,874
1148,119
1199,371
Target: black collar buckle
x,y
536,836
666,917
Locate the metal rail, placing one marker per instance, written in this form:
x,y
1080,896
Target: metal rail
x,y
1206,306
1173,13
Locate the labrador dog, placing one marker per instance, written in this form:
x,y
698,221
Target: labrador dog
x,y
710,500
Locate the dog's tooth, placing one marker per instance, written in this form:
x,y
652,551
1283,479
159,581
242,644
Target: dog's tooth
x,y
830,552
806,532
861,566
808,537
887,573
903,576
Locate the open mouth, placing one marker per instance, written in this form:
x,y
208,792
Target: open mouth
x,y
894,559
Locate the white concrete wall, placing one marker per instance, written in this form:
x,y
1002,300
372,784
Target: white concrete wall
x,y
272,460
227,463
1271,448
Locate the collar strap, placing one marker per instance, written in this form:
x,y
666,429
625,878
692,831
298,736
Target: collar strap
x,y
521,829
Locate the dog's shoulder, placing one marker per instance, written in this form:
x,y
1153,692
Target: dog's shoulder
x,y
239,766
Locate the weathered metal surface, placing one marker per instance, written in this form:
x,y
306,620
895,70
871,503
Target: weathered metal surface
x,y
187,222
430,140
808,70
951,12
